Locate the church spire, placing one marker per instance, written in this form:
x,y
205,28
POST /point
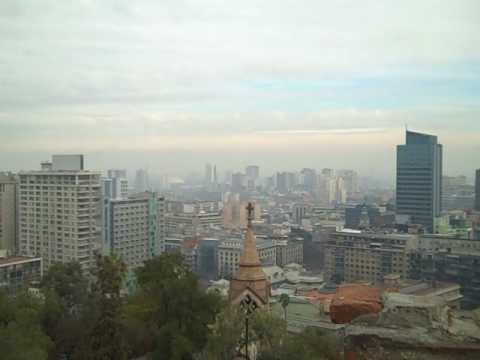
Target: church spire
x,y
250,276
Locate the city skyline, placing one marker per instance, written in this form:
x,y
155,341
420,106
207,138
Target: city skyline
x,y
172,83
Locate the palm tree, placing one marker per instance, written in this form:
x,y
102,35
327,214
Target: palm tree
x,y
284,301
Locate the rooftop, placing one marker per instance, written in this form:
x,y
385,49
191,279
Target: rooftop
x,y
9,260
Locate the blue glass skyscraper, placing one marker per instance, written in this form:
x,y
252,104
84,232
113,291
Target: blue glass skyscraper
x,y
419,179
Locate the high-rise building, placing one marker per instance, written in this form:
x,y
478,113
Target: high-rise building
x,y
142,183
208,174
309,179
419,179
350,179
477,190
286,181
8,213
135,228
115,186
252,172
238,182
117,173
59,214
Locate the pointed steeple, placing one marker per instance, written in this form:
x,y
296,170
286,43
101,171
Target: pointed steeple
x,y
250,277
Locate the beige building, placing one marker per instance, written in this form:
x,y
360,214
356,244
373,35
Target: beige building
x,y
17,272
135,228
8,216
60,213
229,252
192,224
352,255
234,214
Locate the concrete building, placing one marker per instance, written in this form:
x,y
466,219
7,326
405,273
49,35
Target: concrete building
x,y
239,182
142,182
67,162
352,255
351,182
135,228
229,252
115,186
234,215
192,224
456,266
17,272
299,212
419,179
252,172
8,213
60,214
309,179
288,251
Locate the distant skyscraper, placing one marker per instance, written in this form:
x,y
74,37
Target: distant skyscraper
x,y
141,180
238,182
419,179
115,186
60,213
309,179
252,172
477,190
208,174
117,173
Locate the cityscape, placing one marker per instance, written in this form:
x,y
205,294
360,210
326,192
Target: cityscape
x,y
209,181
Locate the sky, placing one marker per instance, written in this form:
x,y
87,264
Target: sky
x,y
172,84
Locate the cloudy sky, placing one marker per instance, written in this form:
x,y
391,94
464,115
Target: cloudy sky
x,y
170,84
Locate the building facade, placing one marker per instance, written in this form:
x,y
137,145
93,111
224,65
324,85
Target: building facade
x,y
17,272
60,214
135,228
229,253
353,255
419,179
8,213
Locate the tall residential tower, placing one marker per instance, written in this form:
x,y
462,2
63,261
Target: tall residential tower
x,y
60,212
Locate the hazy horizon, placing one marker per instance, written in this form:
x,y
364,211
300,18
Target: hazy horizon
x,y
170,85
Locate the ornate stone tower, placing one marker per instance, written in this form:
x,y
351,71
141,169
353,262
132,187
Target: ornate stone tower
x,y
250,282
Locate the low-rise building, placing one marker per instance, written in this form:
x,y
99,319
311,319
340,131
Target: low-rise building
x,y
229,252
352,255
17,272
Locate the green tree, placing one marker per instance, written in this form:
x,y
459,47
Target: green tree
x,y
176,312
225,335
21,336
106,338
67,310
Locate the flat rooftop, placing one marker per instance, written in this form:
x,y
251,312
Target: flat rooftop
x,y
9,260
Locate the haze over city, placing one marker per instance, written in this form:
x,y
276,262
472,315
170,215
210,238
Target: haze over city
x,y
169,84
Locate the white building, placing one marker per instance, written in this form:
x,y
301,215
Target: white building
x,y
60,213
135,228
8,218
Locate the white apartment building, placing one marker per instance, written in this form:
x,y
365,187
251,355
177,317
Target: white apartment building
x,y
135,228
8,222
60,212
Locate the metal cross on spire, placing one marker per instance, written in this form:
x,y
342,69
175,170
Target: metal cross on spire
x,y
250,209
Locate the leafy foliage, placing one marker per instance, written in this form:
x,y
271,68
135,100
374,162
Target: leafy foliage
x,y
21,336
173,307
